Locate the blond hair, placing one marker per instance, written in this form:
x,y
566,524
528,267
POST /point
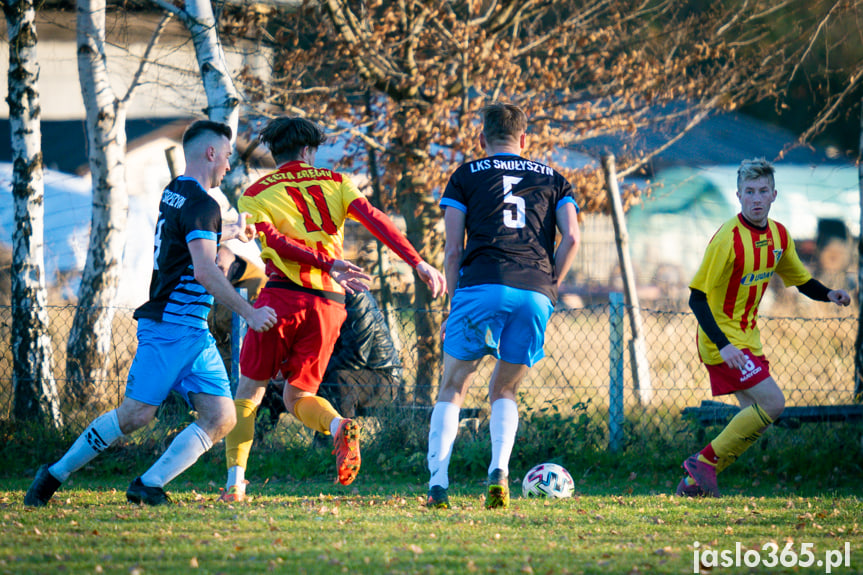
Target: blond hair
x,y
754,169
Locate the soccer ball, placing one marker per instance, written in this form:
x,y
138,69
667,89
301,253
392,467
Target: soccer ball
x,y
548,480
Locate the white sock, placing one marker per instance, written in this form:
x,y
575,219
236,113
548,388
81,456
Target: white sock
x,y
185,450
502,426
236,476
99,435
334,426
442,432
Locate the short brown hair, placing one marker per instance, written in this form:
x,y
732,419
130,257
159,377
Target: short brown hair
x,y
285,137
503,122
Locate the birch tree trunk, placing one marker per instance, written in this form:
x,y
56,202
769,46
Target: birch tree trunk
x,y
36,396
90,338
223,101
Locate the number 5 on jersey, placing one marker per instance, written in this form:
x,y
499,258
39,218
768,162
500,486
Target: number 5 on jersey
x,y
513,218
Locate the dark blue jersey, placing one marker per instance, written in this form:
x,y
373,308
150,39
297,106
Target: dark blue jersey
x,y
510,222
186,213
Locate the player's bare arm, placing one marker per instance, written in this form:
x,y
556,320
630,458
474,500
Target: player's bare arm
x,y
567,224
454,228
208,274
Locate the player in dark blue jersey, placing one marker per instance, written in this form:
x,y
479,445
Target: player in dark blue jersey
x,y
175,348
502,284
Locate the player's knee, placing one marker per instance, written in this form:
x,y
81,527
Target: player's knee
x,y
774,406
134,422
228,419
219,423
132,416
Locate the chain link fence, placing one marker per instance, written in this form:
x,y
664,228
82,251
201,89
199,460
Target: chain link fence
x,y
812,359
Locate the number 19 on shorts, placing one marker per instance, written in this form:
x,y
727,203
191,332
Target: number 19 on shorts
x,y
769,556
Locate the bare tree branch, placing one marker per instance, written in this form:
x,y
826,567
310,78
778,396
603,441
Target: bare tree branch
x,y
145,58
815,35
829,113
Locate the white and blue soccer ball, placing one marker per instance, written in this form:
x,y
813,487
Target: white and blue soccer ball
x,y
548,480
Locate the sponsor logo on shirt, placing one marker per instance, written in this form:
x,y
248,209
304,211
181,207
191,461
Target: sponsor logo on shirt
x,y
750,279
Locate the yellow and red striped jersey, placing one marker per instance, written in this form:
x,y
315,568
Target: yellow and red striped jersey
x,y
737,266
307,204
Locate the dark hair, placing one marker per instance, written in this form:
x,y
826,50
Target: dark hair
x,y
200,127
285,137
503,122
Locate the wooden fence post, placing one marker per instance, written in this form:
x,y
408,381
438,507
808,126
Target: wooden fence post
x,y
637,350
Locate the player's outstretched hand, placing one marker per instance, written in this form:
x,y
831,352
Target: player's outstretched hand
x,y
432,278
349,276
239,230
839,297
247,231
262,318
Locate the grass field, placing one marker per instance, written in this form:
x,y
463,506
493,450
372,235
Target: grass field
x,y
796,492
616,523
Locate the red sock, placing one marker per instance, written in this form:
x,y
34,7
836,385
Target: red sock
x,y
709,455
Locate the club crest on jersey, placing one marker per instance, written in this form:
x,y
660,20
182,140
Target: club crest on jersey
x,y
777,253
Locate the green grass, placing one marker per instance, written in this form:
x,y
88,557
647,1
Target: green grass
x,y
792,486
314,526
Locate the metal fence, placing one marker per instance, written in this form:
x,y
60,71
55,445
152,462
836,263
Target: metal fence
x,y
810,358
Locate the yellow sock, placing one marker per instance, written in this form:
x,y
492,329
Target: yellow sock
x,y
740,433
238,442
315,413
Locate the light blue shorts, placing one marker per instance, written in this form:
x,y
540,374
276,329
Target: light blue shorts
x,y
506,322
175,357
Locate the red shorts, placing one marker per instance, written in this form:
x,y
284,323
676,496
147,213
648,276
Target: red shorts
x,y
301,343
725,379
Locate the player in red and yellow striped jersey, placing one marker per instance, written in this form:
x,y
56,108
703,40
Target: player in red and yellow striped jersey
x,y
725,293
299,211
